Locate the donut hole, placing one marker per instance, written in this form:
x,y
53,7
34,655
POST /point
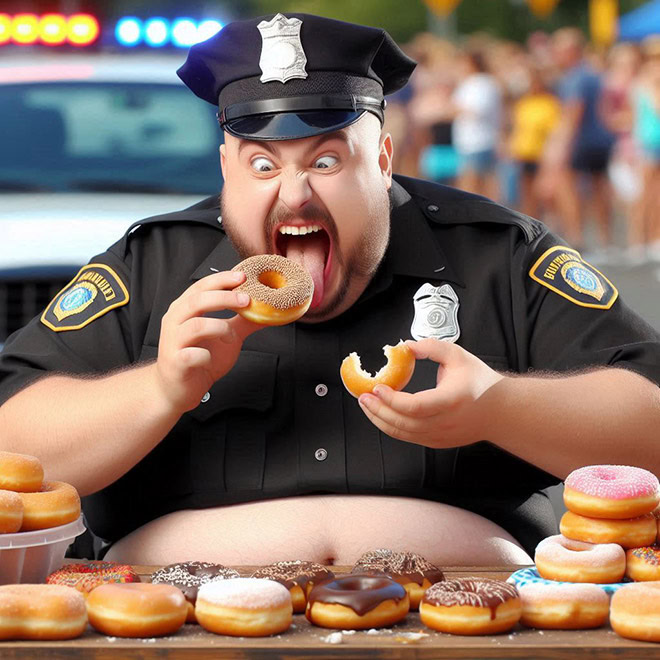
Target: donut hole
x,y
272,279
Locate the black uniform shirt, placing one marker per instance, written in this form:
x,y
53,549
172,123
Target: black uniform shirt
x,y
280,423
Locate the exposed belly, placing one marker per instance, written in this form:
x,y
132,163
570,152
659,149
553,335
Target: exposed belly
x,y
329,529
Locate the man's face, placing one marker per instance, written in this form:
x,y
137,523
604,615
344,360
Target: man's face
x,y
320,201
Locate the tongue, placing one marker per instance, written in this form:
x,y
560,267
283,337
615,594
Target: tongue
x,y
309,252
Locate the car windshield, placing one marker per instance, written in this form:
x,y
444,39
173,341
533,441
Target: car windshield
x,y
123,137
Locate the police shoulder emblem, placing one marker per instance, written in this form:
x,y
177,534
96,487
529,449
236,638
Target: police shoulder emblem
x,y
282,55
94,291
562,270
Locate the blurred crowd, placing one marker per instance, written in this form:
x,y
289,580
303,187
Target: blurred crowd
x,y
555,128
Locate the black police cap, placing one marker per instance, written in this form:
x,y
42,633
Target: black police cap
x,y
288,77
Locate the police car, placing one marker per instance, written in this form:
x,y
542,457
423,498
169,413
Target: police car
x,y
91,143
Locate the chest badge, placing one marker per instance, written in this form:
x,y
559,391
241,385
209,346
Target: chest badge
x,y
282,55
436,313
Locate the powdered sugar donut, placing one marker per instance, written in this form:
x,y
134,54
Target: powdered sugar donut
x,y
11,512
20,472
611,491
635,611
563,606
559,558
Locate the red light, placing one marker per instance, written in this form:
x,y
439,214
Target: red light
x,y
82,29
24,28
5,28
52,29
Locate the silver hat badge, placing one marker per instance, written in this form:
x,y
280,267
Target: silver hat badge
x,y
282,55
436,313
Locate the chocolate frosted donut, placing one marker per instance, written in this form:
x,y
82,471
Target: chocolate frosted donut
x,y
299,577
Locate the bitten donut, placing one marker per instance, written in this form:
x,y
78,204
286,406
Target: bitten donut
x,y
611,491
244,607
563,559
136,610
471,606
299,577
11,512
57,503
643,564
563,606
414,573
396,373
41,611
632,533
635,611
88,575
356,602
280,290
20,472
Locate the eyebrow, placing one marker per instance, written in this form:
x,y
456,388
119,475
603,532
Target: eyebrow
x,y
269,145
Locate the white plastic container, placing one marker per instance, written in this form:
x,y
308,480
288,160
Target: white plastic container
x,y
31,556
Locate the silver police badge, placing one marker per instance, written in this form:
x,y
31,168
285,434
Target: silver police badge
x,y
282,55
436,313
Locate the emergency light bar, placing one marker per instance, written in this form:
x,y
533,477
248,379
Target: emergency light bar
x,y
48,29
157,32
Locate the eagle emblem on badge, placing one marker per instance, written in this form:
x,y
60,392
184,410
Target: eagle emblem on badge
x,y
282,55
436,313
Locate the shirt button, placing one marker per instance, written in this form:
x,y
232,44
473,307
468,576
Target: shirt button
x,y
434,208
321,389
320,454
206,397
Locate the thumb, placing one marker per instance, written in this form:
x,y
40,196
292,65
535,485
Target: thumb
x,y
433,349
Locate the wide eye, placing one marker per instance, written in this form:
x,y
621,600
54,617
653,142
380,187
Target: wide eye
x,y
325,162
262,164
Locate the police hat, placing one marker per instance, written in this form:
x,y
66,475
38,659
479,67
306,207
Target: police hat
x,y
288,77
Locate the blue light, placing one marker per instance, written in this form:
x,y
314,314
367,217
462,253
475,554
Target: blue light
x,y
184,32
156,32
128,31
206,29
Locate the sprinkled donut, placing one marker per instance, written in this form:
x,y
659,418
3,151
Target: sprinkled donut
x,y
643,564
471,606
20,472
11,512
280,290
611,491
629,533
88,575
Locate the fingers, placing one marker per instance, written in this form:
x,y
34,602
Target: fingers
x,y
197,303
394,425
420,404
434,349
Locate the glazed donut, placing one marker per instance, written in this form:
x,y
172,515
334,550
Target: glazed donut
x,y
643,564
396,373
20,472
11,512
244,607
57,503
280,290
563,606
414,573
563,559
635,611
299,577
471,606
88,575
632,533
611,491
189,576
41,611
356,602
136,610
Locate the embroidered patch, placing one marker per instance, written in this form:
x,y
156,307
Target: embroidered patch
x,y
562,270
95,290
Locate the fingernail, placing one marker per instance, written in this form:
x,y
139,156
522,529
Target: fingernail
x,y
364,400
243,298
377,390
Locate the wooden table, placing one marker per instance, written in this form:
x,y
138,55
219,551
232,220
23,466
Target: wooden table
x,y
303,640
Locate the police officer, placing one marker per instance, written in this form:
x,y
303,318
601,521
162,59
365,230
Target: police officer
x,y
194,433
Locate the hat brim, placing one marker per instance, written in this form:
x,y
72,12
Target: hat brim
x,y
291,125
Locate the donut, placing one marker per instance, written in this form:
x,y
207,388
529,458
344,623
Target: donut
x,y
299,577
11,512
136,609
189,576
563,606
611,491
643,564
356,602
632,533
20,472
280,290
414,573
244,607
656,515
57,503
635,611
564,559
396,373
41,611
471,606
88,575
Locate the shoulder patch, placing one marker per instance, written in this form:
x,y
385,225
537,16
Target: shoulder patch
x,y
95,290
562,270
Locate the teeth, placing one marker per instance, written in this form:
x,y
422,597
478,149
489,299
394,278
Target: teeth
x,y
299,231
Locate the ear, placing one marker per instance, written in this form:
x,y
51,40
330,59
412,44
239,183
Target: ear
x,y
223,159
385,159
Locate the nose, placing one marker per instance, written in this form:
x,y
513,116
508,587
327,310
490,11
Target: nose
x,y
295,190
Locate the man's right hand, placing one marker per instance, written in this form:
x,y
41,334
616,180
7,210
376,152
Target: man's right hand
x,y
195,351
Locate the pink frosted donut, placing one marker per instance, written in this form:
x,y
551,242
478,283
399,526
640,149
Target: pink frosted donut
x,y
611,491
563,606
559,558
